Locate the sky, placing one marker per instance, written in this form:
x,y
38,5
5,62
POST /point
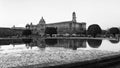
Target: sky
x,y
105,13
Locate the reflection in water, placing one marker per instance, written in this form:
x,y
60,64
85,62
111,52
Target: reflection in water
x,y
36,42
4,42
42,43
51,42
74,44
11,41
94,43
114,41
27,40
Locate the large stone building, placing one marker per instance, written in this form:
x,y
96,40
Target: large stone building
x,y
70,27
38,29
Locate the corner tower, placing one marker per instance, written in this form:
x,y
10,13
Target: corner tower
x,y
74,17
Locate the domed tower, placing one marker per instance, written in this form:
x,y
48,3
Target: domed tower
x,y
41,27
42,21
73,23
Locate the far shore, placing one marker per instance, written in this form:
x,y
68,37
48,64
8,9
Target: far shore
x,y
96,38
99,38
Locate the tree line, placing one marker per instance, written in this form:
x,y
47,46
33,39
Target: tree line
x,y
8,32
93,30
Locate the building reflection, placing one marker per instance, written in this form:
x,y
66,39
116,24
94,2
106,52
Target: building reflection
x,y
94,43
73,44
36,42
42,43
65,43
51,42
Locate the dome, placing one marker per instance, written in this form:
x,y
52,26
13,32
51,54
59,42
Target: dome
x,y
41,21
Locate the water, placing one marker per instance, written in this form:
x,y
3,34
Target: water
x,y
21,52
73,44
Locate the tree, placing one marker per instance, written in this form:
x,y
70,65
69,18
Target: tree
x,y
114,31
51,30
93,30
27,32
7,32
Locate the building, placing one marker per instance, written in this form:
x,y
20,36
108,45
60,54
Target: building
x,y
70,27
38,29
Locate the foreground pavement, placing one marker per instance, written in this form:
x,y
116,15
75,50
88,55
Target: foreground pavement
x,y
52,56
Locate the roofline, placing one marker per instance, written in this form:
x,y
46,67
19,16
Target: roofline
x,y
65,22
59,22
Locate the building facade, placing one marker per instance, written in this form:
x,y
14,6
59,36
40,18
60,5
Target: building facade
x,y
70,27
38,29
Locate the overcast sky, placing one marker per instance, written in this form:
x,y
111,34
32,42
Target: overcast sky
x,y
106,13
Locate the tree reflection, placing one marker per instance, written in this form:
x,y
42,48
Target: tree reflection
x,y
94,43
11,41
27,40
114,41
4,42
51,42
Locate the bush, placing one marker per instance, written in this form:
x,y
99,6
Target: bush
x,y
94,43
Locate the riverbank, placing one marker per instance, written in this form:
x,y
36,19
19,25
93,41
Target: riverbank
x,y
97,38
14,38
105,62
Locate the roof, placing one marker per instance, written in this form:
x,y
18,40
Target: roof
x,y
17,28
60,22
65,22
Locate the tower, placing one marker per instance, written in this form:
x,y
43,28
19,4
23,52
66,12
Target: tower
x,y
42,21
73,24
74,17
41,27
